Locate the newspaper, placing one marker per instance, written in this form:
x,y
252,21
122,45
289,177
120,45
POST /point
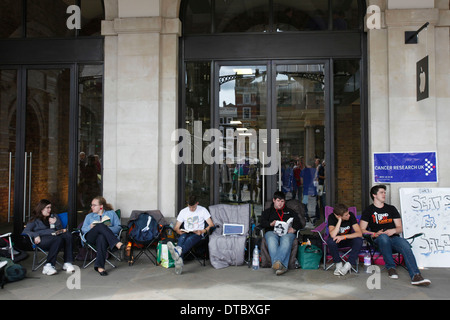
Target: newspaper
x,y
281,228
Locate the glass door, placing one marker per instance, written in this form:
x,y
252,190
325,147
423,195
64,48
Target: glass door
x,y
8,109
299,100
47,138
34,145
242,112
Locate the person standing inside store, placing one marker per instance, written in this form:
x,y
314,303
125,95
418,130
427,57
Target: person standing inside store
x,y
383,222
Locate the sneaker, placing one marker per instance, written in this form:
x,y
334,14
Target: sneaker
x,y
337,271
3,263
68,267
174,252
345,269
49,270
179,265
281,271
418,280
276,265
393,273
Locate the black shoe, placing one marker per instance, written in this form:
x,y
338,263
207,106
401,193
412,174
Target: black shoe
x,y
102,273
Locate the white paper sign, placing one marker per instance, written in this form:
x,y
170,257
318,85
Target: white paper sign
x,y
427,211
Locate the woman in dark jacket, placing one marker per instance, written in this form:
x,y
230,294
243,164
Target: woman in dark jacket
x,y
47,232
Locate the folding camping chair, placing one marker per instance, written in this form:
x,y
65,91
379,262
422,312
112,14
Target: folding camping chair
x,y
375,254
298,207
200,251
324,233
9,248
91,251
63,217
227,248
145,245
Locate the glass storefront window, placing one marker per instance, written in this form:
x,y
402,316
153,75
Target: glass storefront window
x,y
300,92
47,138
293,15
345,15
242,113
10,19
90,135
92,14
197,121
270,16
347,123
8,111
48,18
198,17
242,16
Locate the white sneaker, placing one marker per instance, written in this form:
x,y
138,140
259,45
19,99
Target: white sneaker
x,y
345,269
49,270
68,267
174,252
3,263
337,271
179,265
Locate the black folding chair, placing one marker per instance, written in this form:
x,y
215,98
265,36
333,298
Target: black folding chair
x,y
147,246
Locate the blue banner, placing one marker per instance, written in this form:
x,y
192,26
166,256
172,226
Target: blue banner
x,y
405,167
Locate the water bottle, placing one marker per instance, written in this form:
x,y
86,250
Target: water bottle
x,y
367,261
255,261
52,225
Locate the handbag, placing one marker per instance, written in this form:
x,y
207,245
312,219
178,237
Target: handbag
x,y
309,256
163,256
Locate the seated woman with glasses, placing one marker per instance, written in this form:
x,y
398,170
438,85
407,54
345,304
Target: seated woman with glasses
x,y
47,232
101,228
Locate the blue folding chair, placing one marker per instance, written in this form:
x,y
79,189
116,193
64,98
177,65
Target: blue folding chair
x,y
63,217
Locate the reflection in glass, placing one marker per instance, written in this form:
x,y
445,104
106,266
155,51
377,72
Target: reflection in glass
x,y
47,18
242,113
10,19
197,121
242,16
8,109
293,15
92,14
47,138
347,123
197,19
90,135
301,124
345,15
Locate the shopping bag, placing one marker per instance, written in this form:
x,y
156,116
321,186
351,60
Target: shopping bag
x,y
163,256
309,256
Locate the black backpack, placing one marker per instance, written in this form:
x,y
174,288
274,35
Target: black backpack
x,y
11,271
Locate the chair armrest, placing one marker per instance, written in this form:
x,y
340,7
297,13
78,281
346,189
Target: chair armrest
x,y
320,228
414,236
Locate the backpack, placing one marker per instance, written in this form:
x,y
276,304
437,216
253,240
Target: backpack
x,y
11,272
144,228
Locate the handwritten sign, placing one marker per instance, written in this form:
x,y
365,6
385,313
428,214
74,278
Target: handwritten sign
x,y
427,211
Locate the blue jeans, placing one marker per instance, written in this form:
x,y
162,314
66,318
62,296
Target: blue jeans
x,y
186,241
355,244
388,244
279,247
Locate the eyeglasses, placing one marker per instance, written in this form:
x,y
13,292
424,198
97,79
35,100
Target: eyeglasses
x,y
94,205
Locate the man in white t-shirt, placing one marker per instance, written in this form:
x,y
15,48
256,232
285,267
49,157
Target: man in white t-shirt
x,y
196,222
